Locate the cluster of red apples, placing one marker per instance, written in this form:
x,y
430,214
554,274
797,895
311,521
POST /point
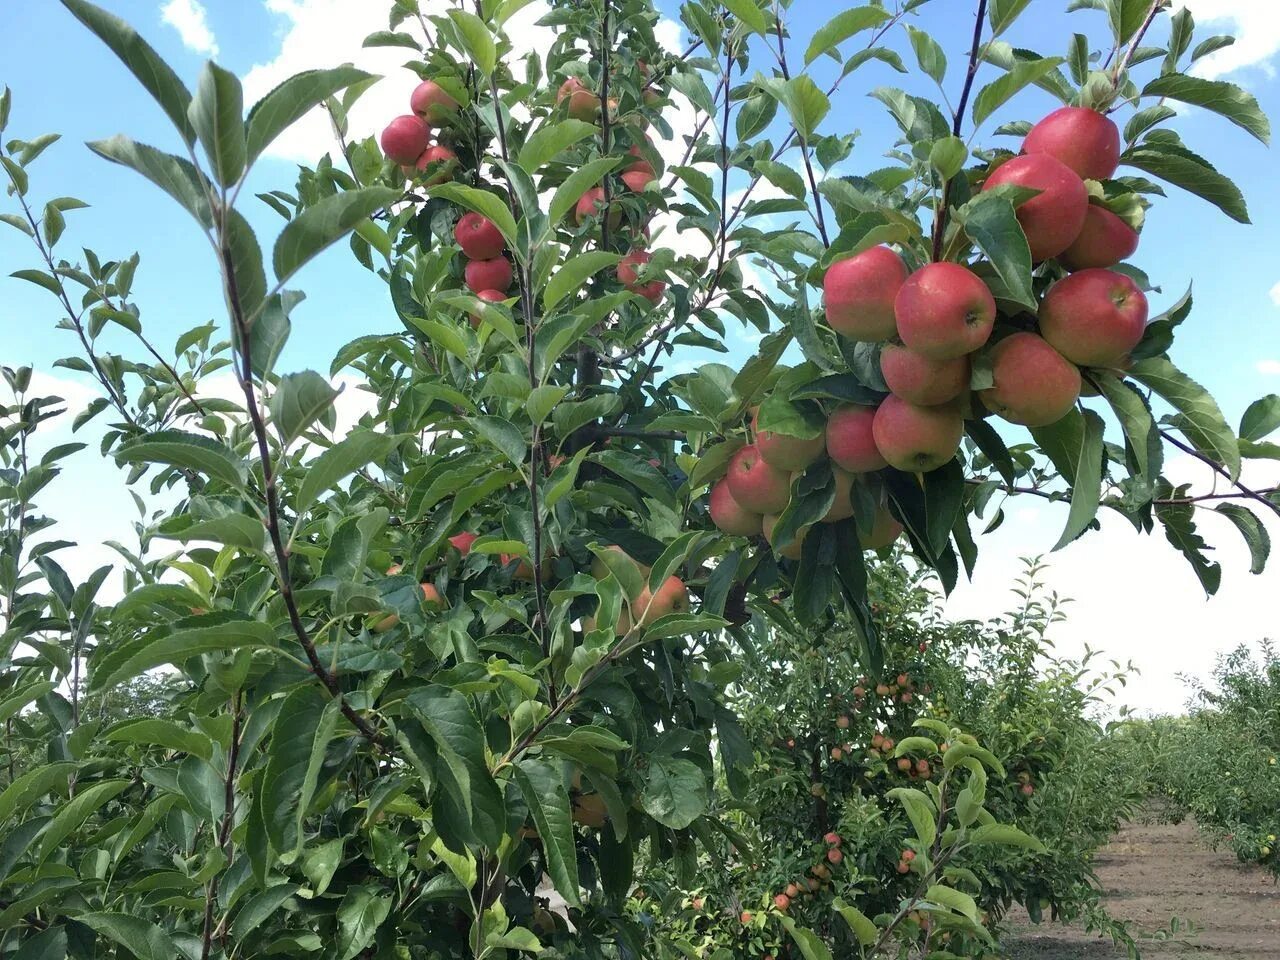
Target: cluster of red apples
x,y
410,140
934,321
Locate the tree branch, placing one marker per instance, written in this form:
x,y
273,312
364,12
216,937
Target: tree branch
x,y
941,215
804,146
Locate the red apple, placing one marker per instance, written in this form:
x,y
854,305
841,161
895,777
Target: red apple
x,y
916,439
492,274
583,104
591,203
781,902
628,274
431,596
442,159
755,484
729,515
1083,139
1034,384
404,139
922,380
1094,317
637,177
430,102
787,453
944,311
859,292
842,506
1053,218
462,542
832,839
672,597
479,237
1104,241
850,443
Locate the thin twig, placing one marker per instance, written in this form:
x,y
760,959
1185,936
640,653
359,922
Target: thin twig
x,y
804,145
1123,64
957,120
1221,471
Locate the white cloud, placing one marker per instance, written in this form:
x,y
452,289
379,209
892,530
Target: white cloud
x,y
190,19
1255,25
1274,293
1270,368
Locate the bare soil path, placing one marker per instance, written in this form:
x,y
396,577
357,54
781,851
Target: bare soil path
x,y
1153,872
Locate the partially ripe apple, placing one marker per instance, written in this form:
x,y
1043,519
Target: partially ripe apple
x,y
1083,139
832,839
629,274
430,102
755,484
793,550
850,443
1034,385
672,597
859,292
492,274
1053,218
441,159
835,855
404,139
592,204
431,596
583,104
479,237
781,902
944,311
916,439
787,453
1094,317
729,515
1104,241
842,505
923,380
462,542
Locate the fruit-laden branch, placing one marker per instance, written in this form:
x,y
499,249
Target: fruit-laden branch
x,y
1061,496
957,120
804,145
245,376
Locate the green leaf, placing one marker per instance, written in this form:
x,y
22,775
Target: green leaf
x,y
31,786
1005,835
291,101
141,938
811,945
1193,173
1002,13
804,102
998,92
174,175
1236,104
947,156
217,115
750,14
550,139
156,76
928,54
637,471
1254,532
271,326
1086,488
959,902
1178,520
575,185
1135,419
155,731
476,40
543,789
11,705
299,400
862,927
304,726
126,661
362,911
1261,419
75,812
190,451
1126,17
1200,419
675,792
324,223
991,222
358,449
573,274
49,945
504,436
259,908
841,27
920,811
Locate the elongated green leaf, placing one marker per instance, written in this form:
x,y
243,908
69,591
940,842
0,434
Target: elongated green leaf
x,y
361,913
12,704
841,27
992,223
1254,532
544,792
190,451
31,786
271,328
143,939
675,792
1178,520
574,273
1236,104
920,811
305,725
258,908
929,54
217,114
858,922
550,139
156,76
1199,419
476,39
76,811
811,945
1135,419
1261,419
749,12
998,92
1086,489
360,448
1005,835
291,101
1002,13
49,945
128,660
1192,173
504,436
326,222
954,899
174,175
155,731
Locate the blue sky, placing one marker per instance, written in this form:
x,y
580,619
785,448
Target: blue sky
x,y
64,80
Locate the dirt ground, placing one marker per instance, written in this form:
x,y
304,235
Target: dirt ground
x,y
1153,872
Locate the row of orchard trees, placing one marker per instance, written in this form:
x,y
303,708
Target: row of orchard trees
x,y
492,634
